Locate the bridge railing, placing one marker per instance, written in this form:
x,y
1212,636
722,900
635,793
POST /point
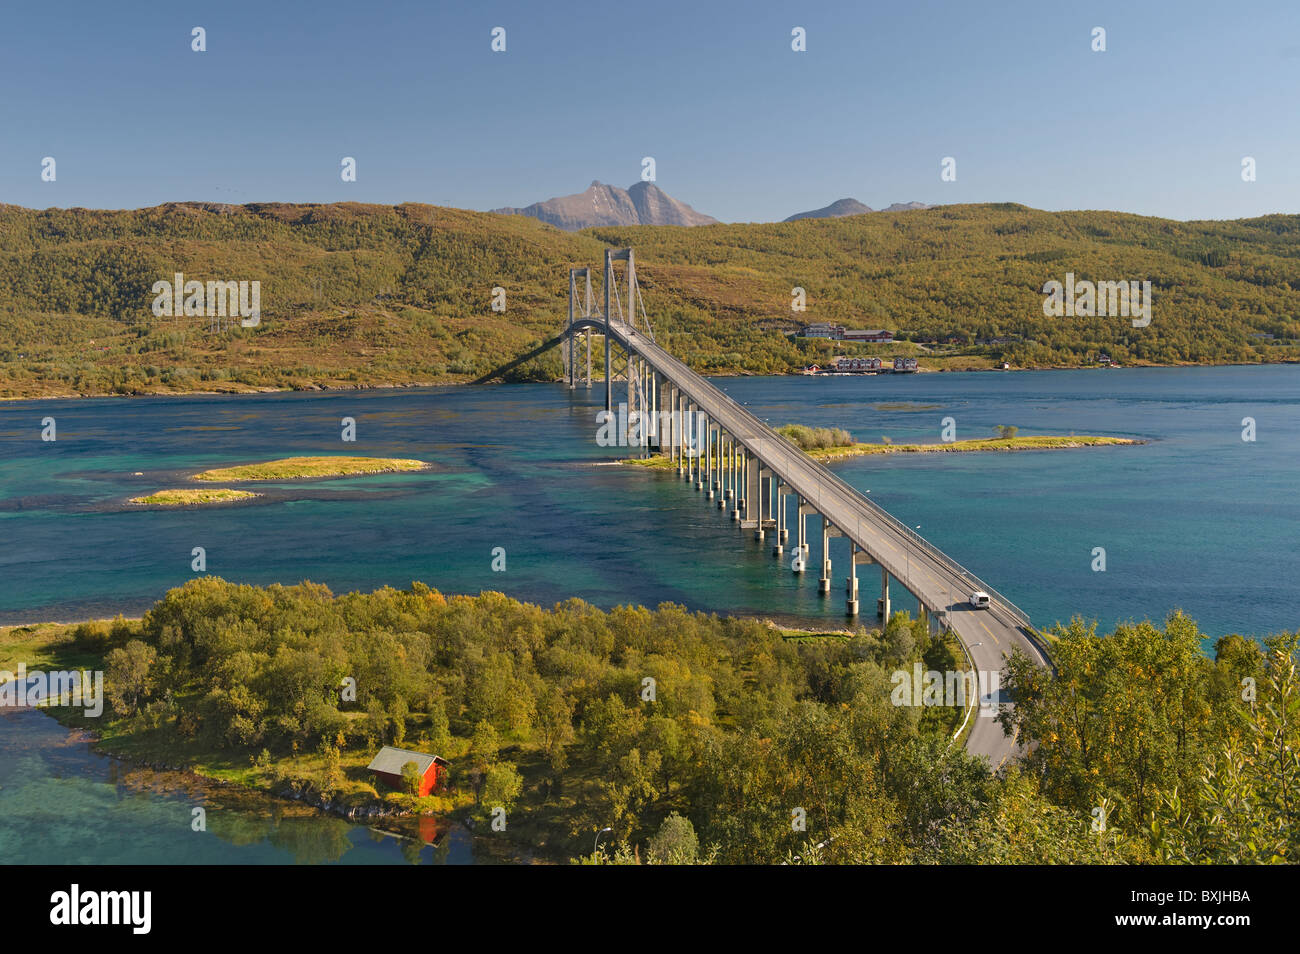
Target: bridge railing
x,y
851,493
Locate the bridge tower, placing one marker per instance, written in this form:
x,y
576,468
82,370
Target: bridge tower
x,y
570,349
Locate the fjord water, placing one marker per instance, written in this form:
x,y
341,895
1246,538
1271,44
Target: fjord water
x,y
1196,519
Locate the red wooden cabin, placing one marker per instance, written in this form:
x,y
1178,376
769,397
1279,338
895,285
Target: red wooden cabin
x,y
387,765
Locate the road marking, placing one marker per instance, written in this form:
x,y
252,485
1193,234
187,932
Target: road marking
x,y
987,630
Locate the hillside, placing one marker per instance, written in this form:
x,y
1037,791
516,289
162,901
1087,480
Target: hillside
x,y
356,295
843,207
837,209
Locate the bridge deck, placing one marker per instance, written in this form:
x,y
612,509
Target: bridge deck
x,y
934,578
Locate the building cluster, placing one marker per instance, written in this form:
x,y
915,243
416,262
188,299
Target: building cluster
x,y
822,329
843,365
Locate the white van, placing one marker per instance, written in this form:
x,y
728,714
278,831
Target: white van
x,y
979,599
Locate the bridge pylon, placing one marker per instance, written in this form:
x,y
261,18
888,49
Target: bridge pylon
x,y
577,304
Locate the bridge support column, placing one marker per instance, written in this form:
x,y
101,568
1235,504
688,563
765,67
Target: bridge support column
x,y
801,531
630,398
703,466
779,513
679,406
882,606
851,590
667,396
656,438
800,562
754,496
710,468
588,359
738,500
726,447
715,476
609,384
652,403
702,448
642,407
782,518
731,470
764,502
692,441
824,584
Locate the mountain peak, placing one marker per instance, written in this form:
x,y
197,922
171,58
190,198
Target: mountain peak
x,y
642,203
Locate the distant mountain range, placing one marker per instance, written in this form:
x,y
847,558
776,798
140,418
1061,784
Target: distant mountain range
x,y
644,203
843,207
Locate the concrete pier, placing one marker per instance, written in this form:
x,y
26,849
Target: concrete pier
x,y
824,584
709,472
760,490
851,589
801,538
738,501
778,502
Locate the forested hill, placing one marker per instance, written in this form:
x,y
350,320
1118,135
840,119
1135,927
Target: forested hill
x,y
355,295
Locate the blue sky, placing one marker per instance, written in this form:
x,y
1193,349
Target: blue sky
x,y
741,127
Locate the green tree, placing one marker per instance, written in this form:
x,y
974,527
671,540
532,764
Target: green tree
x,y
502,785
411,778
484,745
129,676
675,843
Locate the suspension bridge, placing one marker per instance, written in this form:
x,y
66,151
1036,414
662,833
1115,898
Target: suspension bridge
x,y
772,489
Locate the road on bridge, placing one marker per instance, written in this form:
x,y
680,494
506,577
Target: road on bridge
x,y
989,635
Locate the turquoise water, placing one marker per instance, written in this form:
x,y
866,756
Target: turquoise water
x,y
60,803
1196,518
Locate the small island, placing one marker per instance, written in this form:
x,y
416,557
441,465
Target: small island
x,y
193,496
826,444
979,444
298,468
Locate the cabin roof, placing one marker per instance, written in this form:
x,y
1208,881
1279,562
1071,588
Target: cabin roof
x,y
390,761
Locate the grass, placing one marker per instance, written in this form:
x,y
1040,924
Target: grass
x,y
194,496
38,646
655,462
291,468
982,444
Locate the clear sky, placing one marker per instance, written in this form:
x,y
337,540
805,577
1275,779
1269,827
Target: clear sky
x,y
741,127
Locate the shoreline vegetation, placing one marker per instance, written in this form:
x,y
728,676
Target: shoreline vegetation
x,y
193,496
545,713
948,366
304,468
